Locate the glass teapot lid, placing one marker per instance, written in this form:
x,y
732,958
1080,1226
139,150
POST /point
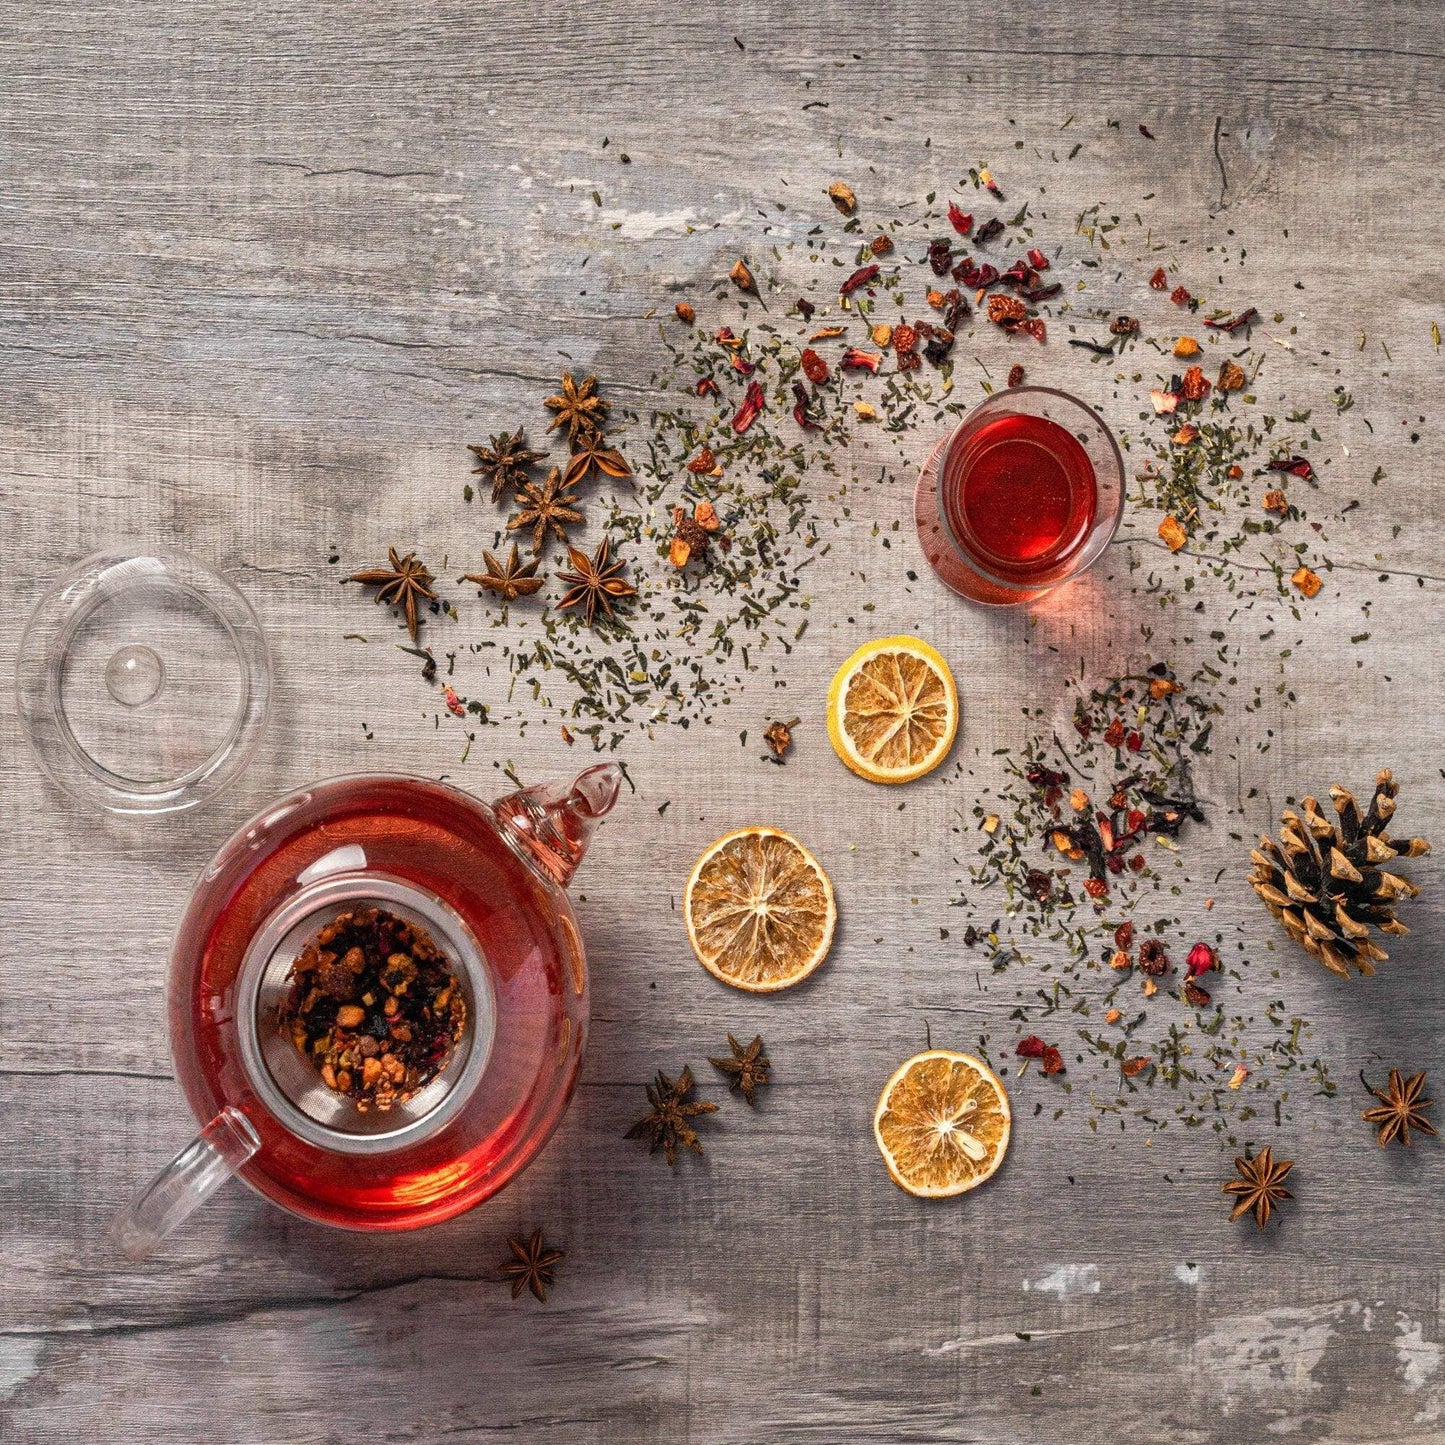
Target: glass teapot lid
x,y
143,681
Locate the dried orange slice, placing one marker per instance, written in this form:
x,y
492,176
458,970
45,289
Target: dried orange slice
x,y
942,1124
893,710
759,910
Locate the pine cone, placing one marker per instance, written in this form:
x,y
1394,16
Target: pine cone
x,y
1325,881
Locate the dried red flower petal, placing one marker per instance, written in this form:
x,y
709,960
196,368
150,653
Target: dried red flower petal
x,y
989,231
743,366
1159,281
1031,1047
940,257
750,410
453,702
1201,959
1053,1061
1295,466
1180,296
1016,378
1195,385
1235,323
960,220
1037,259
800,408
1124,934
814,367
804,308
706,386
861,277
856,360
1134,742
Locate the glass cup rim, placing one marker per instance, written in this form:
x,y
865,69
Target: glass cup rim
x,y
1105,525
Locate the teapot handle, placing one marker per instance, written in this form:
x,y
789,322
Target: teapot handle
x,y
190,1179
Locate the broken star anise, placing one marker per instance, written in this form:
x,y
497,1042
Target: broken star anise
x,y
549,507
506,462
667,1126
531,1266
578,408
747,1070
400,584
510,579
593,454
1260,1185
594,582
1400,1108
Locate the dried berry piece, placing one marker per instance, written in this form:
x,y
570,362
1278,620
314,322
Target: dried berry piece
x,y
1153,957
1159,281
881,245
814,367
1195,385
1006,311
703,462
1030,1047
1231,377
861,277
1180,296
1276,501
1053,1061
841,195
1124,326
685,313
1015,375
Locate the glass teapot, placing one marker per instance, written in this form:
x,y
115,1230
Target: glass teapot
x,y
485,886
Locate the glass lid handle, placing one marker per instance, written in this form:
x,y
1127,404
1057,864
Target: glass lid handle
x,y
190,1179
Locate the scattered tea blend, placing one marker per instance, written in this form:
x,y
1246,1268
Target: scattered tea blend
x,y
374,1005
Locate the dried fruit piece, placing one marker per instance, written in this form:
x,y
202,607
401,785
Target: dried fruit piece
x,y
861,277
742,277
703,462
814,367
1276,501
1172,534
1195,385
856,360
1006,311
841,195
1308,582
1015,375
1180,296
881,335
692,535
942,1124
1186,346
881,244
685,313
1159,281
759,910
1231,377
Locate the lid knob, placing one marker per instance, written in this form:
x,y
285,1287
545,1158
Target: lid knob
x,y
551,824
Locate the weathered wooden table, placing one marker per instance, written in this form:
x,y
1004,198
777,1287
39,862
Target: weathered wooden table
x,y
265,269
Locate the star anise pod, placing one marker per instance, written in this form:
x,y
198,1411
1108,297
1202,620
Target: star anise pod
x,y
1400,1109
506,462
1260,1185
593,454
578,408
510,579
548,507
594,582
531,1265
667,1127
400,584
748,1069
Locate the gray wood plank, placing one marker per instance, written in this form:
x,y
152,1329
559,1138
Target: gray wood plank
x,y
264,274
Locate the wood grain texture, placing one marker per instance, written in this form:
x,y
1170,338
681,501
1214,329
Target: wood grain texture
x,y
263,271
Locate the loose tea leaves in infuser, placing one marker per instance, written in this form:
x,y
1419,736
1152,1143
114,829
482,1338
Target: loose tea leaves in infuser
x,y
374,1005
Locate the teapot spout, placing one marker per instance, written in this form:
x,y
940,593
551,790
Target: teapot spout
x,y
551,824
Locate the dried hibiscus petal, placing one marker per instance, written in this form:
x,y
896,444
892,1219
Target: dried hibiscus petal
x,y
990,230
1295,466
940,257
804,308
976,278
1031,1047
1037,259
814,367
1041,293
706,386
1039,884
750,410
1201,959
1236,323
960,220
861,277
856,360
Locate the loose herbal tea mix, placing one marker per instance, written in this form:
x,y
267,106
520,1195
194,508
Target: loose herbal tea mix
x,y
374,1005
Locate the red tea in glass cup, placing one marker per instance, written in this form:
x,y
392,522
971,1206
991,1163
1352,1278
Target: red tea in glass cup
x,y
1024,495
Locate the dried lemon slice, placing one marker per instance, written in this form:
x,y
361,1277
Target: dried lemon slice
x,y
942,1124
893,710
759,910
